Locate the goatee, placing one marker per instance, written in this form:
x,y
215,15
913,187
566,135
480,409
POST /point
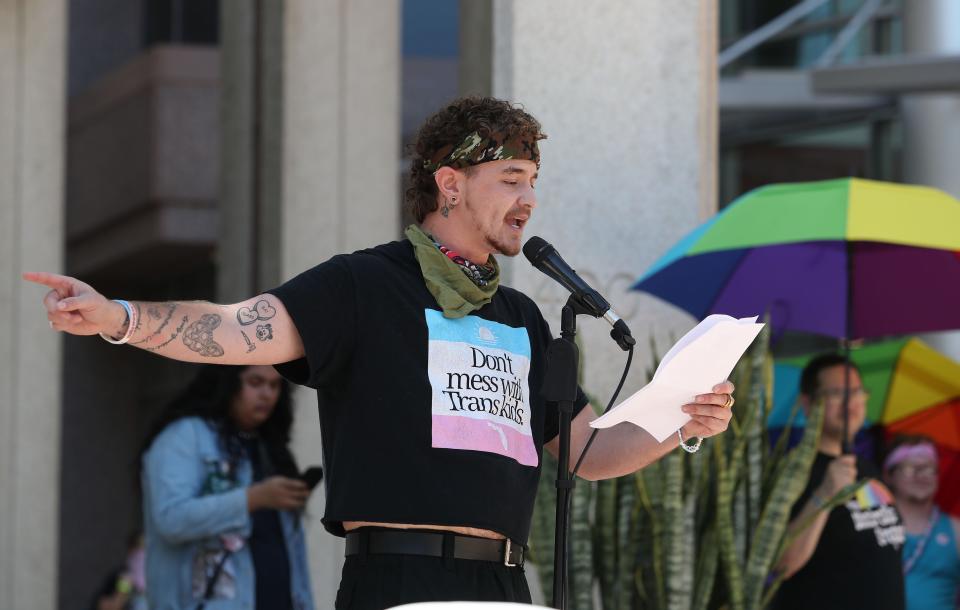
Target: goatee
x,y
502,248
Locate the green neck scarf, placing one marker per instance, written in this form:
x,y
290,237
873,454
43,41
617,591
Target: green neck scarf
x,y
456,294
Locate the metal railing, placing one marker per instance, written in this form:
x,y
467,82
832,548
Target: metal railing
x,y
790,25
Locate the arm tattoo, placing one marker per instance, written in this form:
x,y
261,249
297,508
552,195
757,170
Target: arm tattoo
x,y
155,314
173,336
199,336
250,345
262,311
264,332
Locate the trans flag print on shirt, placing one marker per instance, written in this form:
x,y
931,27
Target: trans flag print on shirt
x,y
873,508
478,374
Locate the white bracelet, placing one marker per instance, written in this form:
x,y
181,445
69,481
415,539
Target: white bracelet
x,y
689,448
131,324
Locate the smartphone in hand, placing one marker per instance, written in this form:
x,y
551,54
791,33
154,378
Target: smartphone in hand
x,y
312,476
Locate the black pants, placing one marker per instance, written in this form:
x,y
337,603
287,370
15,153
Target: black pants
x,y
375,582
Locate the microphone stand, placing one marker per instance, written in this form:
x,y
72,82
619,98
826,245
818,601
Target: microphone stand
x,y
560,386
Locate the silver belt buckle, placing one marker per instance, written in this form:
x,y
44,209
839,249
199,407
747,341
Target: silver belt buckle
x,y
506,556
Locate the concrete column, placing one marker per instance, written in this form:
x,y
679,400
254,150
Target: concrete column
x,y
32,117
311,141
626,92
341,128
476,53
238,64
341,142
251,119
931,121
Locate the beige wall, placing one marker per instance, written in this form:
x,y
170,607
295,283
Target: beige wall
x,y
626,92
32,100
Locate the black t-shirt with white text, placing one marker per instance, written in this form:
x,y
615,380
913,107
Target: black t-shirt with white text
x,y
857,562
424,419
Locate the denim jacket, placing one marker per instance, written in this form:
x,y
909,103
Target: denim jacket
x,y
192,509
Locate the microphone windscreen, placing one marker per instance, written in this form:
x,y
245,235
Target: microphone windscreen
x,y
535,249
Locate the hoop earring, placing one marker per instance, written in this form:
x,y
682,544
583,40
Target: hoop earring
x,y
445,210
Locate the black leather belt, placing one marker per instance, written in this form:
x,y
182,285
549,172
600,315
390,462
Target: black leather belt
x,y
406,542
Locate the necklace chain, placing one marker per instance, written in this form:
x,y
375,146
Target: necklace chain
x,y
478,274
922,543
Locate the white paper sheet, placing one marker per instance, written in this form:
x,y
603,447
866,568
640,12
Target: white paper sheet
x,y
704,357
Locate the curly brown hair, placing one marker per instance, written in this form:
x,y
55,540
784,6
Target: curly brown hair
x,y
449,126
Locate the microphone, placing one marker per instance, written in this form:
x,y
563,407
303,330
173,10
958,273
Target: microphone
x,y
545,257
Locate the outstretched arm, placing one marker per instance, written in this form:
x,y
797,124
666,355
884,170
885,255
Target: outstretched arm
x,y
255,331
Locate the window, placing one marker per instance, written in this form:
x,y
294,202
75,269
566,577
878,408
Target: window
x,y
182,21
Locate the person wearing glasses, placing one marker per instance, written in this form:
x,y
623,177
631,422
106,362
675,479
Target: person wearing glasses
x,y
931,555
848,556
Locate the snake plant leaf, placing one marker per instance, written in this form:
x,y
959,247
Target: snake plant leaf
x,y
707,560
740,523
606,537
724,524
836,500
542,527
629,540
651,559
756,440
776,512
690,546
679,576
768,368
643,582
779,448
581,548
690,530
699,491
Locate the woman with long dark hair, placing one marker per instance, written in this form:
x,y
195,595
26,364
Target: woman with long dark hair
x,y
222,499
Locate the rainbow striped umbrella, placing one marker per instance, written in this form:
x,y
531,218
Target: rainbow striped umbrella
x,y
914,389
907,380
843,258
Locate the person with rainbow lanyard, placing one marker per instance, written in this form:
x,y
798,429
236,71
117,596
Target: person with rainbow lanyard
x,y
931,555
428,371
848,557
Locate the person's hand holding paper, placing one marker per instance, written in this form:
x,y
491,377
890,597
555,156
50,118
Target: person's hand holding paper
x,y
704,357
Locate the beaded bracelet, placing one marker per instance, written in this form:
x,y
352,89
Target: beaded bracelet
x,y
689,448
132,320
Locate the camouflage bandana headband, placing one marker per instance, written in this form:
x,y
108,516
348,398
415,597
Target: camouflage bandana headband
x,y
475,150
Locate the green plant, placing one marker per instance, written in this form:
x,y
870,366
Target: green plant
x,y
691,531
